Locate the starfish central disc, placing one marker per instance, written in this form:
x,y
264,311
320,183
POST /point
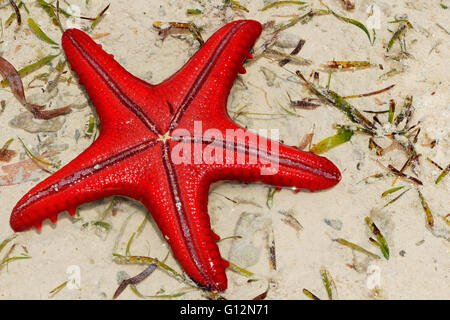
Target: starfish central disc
x,y
164,137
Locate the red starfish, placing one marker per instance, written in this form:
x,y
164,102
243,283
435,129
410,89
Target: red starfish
x,y
144,148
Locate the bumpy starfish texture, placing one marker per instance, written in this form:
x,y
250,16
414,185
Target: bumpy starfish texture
x,y
144,126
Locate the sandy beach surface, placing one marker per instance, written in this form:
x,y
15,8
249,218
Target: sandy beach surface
x,y
287,240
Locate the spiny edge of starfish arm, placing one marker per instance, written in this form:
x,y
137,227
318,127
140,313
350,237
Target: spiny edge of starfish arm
x,y
258,159
321,172
186,226
72,186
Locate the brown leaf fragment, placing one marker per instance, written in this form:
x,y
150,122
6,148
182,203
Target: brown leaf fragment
x,y
305,104
266,45
275,54
376,112
296,50
434,163
307,139
12,75
373,145
50,114
404,175
284,62
376,120
370,93
391,110
416,136
433,143
135,280
268,25
262,296
16,10
348,5
99,17
406,112
410,161
346,65
175,27
413,157
272,252
291,221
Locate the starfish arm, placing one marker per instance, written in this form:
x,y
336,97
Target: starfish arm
x,y
114,92
177,202
209,75
195,190
93,175
233,153
280,166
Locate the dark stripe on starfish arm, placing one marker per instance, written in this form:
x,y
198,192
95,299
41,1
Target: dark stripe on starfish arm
x,y
88,172
201,79
175,192
130,105
248,150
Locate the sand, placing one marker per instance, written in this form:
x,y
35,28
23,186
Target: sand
x,y
419,262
